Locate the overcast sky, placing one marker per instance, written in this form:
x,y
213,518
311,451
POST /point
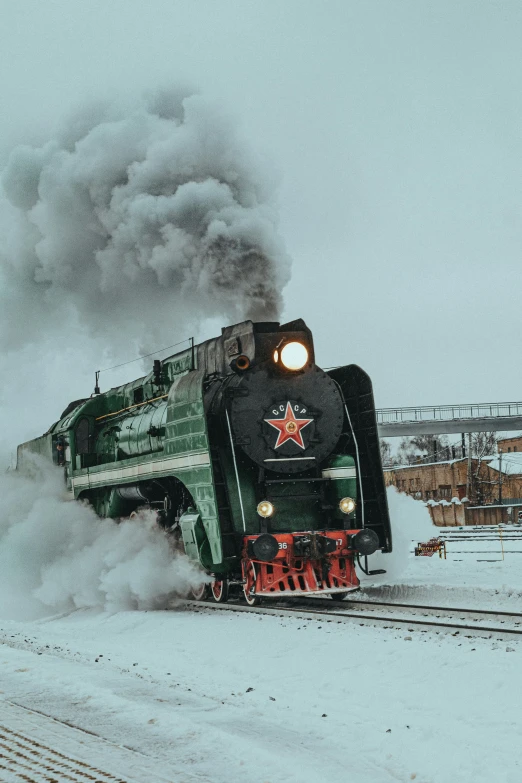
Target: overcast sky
x,y
395,129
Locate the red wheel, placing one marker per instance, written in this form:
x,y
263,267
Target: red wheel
x,y
250,585
219,590
199,593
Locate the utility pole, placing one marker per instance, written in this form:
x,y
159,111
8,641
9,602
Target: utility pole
x,y
500,477
468,483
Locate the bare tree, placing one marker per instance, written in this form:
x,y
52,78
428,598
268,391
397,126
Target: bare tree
x,y
483,444
483,489
423,448
386,453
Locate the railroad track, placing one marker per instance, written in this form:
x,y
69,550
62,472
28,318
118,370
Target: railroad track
x,y
413,617
38,748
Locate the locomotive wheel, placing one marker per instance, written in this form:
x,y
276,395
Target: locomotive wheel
x,y
251,599
199,593
339,596
219,590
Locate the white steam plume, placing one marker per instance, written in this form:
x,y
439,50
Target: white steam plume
x,y
130,227
139,221
56,555
410,523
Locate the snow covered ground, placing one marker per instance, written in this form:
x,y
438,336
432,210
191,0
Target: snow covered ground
x,y
476,574
466,582
187,695
235,697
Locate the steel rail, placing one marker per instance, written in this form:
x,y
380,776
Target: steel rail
x,y
447,609
335,615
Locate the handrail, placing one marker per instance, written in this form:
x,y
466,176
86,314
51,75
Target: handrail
x,y
448,412
130,407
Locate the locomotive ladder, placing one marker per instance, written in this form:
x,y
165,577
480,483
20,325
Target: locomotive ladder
x,y
223,503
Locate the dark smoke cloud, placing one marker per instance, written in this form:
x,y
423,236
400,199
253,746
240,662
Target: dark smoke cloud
x,y
136,222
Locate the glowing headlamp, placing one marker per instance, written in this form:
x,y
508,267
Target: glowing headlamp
x,y
293,356
265,509
347,505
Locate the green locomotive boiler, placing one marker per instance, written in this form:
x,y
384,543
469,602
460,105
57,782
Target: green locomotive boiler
x,y
264,468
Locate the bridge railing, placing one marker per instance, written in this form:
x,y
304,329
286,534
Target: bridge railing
x,y
448,412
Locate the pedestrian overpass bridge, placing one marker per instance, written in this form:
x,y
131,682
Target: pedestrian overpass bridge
x,y
446,419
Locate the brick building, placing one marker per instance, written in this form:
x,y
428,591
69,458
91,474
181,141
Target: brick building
x,y
449,479
509,445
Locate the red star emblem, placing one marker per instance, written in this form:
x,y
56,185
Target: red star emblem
x,y
289,428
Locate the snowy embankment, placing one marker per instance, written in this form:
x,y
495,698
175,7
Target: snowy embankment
x,y
464,583
475,574
246,698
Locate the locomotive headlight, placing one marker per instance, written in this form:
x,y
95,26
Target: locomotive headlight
x,y
294,356
347,505
265,509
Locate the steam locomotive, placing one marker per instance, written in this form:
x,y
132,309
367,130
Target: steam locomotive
x,y
262,467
